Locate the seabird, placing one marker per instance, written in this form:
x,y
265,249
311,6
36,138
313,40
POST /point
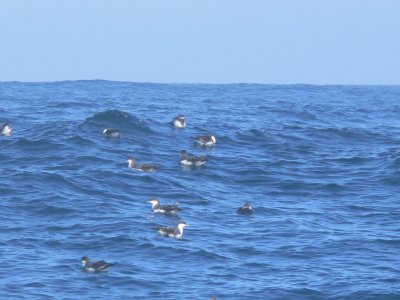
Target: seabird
x,y
97,266
179,121
144,167
245,209
166,209
206,140
114,133
6,129
187,160
175,232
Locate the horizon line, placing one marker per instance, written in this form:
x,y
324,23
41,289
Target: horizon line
x,y
202,83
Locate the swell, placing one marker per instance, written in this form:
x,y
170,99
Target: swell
x,y
128,123
321,173
34,145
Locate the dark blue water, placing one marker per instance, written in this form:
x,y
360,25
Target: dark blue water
x,y
320,164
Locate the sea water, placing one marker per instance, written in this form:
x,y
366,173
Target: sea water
x,y
319,164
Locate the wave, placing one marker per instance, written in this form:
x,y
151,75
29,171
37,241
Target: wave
x,y
34,145
71,104
347,133
322,173
117,119
251,134
113,115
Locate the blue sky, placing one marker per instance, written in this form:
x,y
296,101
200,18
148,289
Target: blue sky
x,y
212,41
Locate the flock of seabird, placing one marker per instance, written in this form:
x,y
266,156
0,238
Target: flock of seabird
x,y
185,160
172,209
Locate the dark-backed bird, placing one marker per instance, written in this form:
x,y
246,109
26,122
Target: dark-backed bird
x,y
206,140
141,167
188,160
156,207
97,266
245,209
175,232
113,133
6,129
179,121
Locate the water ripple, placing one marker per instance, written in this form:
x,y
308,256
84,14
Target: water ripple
x,y
320,165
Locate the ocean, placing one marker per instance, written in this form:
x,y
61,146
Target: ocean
x,y
319,164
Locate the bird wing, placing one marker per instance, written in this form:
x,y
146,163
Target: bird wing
x,y
197,159
101,265
167,230
171,207
149,167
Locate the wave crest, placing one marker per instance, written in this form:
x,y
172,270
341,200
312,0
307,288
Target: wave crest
x,y
117,119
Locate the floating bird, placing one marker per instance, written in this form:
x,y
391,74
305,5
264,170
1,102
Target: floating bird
x,y
97,266
179,121
6,129
113,133
245,209
206,140
166,209
144,167
175,232
187,160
